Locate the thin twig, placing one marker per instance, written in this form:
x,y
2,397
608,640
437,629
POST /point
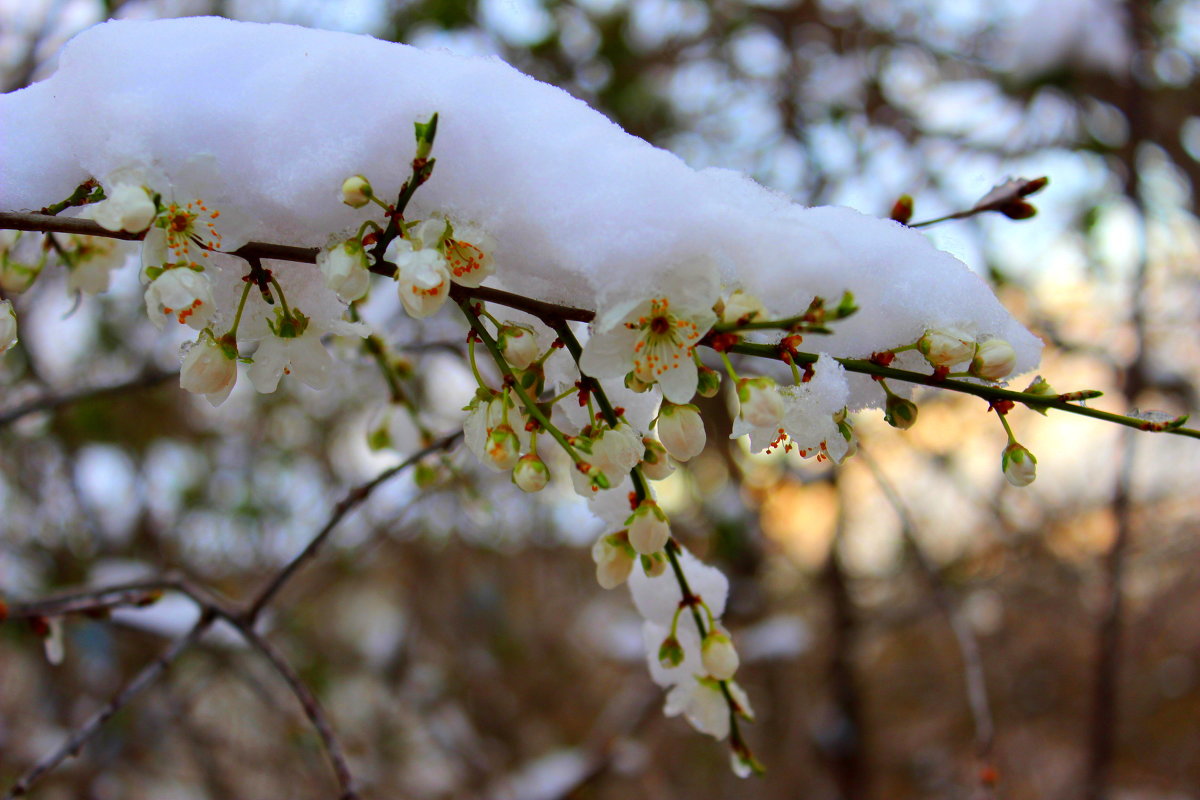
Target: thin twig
x,y
553,312
344,506
148,379
95,602
75,742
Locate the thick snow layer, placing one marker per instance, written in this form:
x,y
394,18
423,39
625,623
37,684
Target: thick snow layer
x,y
265,122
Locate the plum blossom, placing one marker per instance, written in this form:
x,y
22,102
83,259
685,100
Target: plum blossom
x,y
468,253
811,411
128,208
295,348
681,430
655,337
614,559
648,528
92,262
422,276
8,326
182,293
702,703
531,473
345,269
209,368
356,191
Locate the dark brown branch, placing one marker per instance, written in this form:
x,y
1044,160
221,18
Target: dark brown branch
x,y
148,379
355,497
75,742
95,603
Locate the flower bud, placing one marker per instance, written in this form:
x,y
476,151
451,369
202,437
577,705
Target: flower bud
x,y
655,464
531,474
356,191
741,307
708,381
993,359
8,326
208,369
345,269
945,347
900,413
519,345
654,564
681,430
502,447
614,559
762,406
128,208
1019,465
648,528
670,653
718,655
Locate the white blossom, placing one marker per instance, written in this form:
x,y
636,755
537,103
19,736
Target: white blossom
x,y
182,293
128,208
681,430
8,326
760,402
741,307
614,559
345,269
655,464
655,338
422,276
718,654
648,528
303,356
208,369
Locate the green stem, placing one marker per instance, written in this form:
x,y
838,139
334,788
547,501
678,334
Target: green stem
x,y
282,300
237,318
531,406
990,393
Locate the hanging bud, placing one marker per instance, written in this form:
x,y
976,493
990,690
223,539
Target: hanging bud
x,y
681,430
761,404
209,368
345,269
502,447
708,381
614,559
1019,465
654,564
519,345
531,474
670,653
945,347
8,326
648,528
655,464
356,191
993,360
718,655
900,413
